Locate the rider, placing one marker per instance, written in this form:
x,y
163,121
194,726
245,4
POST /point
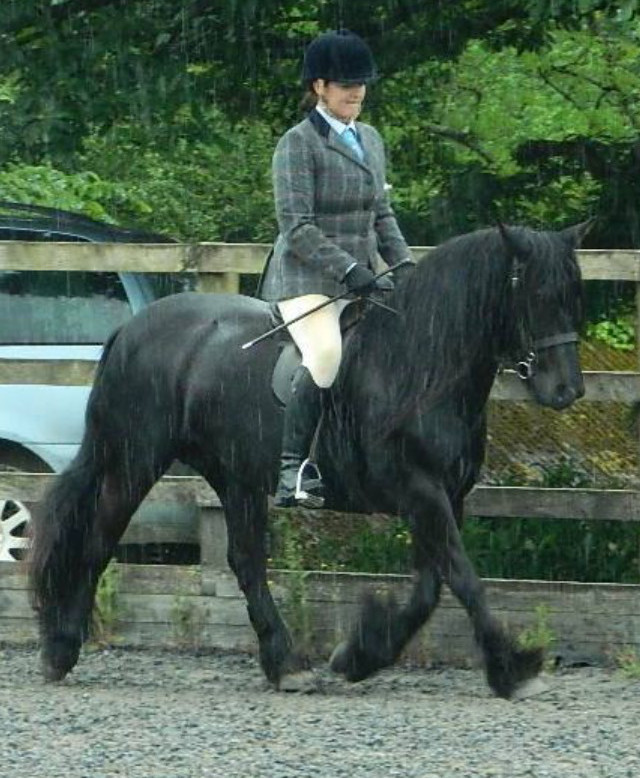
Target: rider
x,y
335,222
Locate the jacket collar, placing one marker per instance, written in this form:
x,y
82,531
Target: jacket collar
x,y
323,128
320,124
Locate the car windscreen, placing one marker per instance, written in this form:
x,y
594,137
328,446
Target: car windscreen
x,y
59,307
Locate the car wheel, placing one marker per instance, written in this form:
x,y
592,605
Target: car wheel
x,y
15,516
14,538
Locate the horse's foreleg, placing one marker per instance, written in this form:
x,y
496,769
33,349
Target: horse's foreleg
x,y
246,516
507,665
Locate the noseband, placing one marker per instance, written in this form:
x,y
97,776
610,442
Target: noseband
x,y
526,368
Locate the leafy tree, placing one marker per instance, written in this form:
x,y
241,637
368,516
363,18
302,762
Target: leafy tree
x,y
523,109
83,63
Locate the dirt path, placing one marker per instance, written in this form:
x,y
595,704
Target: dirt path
x,y
166,715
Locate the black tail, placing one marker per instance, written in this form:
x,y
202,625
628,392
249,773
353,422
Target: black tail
x,y
63,521
61,524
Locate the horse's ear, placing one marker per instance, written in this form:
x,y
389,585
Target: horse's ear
x,y
578,232
515,241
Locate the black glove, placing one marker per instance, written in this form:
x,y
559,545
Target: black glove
x,y
359,278
385,283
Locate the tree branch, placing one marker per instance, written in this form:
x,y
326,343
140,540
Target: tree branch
x,y
547,80
464,139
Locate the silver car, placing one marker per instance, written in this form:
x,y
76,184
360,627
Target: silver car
x,y
57,315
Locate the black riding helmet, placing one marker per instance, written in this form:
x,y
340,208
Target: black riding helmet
x,y
339,55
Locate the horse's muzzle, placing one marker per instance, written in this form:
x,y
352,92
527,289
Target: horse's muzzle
x,y
566,395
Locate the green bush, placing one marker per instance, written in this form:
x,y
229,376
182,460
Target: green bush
x,y
216,189
83,192
618,333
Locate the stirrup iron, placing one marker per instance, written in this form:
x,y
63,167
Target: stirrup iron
x,y
306,498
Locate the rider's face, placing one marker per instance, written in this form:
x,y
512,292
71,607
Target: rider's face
x,y
344,101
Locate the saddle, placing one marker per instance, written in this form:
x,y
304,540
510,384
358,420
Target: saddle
x,y
289,357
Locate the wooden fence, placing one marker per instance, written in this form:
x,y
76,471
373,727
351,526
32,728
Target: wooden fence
x,y
591,620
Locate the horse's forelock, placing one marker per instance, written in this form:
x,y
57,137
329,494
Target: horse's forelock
x,y
552,270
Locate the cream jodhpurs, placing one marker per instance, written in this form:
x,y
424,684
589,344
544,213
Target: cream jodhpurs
x,y
317,336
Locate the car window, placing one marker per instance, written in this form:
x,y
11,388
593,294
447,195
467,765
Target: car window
x,y
60,307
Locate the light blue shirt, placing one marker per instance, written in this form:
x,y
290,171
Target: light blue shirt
x,y
335,124
346,132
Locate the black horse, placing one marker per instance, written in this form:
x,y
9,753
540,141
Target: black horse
x,y
403,433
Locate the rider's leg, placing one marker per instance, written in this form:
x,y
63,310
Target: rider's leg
x,y
319,340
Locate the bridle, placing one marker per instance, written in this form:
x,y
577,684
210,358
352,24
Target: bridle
x,y
525,368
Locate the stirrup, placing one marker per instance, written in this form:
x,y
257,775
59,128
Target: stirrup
x,y
306,497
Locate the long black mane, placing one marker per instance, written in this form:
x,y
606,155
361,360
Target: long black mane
x,y
459,305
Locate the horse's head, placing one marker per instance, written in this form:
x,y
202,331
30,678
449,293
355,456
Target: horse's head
x,y
546,312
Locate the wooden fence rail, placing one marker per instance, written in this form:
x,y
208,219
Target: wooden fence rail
x,y
484,501
600,386
233,258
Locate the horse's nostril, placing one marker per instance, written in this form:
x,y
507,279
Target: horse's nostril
x,y
566,395
563,396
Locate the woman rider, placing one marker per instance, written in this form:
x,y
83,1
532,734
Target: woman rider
x,y
335,222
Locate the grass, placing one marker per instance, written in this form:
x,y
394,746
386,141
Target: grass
x,y
628,663
106,607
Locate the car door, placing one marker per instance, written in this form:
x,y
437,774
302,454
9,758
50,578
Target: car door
x,y
57,315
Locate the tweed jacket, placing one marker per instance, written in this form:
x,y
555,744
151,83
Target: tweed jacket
x,y
332,210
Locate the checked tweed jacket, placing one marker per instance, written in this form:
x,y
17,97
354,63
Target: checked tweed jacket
x,y
331,208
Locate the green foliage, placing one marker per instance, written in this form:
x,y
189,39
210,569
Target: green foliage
x,y
187,623
106,609
628,662
190,189
340,542
83,192
526,111
618,333
573,10
213,189
539,634
290,556
564,472
554,549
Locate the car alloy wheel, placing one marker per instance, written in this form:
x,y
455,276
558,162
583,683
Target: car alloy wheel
x,y
14,539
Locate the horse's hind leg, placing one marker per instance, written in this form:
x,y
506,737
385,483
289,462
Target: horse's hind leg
x,y
246,516
65,601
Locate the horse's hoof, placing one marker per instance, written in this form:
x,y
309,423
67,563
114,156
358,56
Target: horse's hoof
x,y
530,688
338,661
303,682
58,657
51,673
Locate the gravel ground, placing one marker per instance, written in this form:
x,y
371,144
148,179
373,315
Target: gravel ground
x,y
168,715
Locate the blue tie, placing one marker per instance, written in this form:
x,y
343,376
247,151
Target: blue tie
x,y
351,139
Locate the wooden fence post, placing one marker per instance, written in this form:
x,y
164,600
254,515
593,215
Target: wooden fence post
x,y
213,546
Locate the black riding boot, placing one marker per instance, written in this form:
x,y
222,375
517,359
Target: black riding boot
x,y
299,482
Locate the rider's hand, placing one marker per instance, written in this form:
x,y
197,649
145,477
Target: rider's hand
x,y
359,278
385,283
